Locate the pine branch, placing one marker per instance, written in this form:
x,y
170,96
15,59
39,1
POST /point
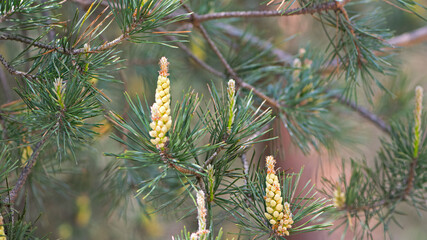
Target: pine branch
x,y
410,179
287,58
245,165
410,38
364,113
30,42
11,198
271,102
240,83
317,8
195,58
76,51
13,71
212,157
406,39
166,160
256,41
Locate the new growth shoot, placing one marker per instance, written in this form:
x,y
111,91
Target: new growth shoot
x,y
201,234
418,112
231,90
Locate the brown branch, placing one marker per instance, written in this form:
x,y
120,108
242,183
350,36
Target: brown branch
x,y
365,113
239,82
31,42
195,58
13,194
344,13
406,39
103,47
256,41
410,38
410,179
212,157
13,71
245,166
168,162
215,49
402,40
256,14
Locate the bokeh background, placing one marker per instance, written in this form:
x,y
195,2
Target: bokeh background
x,y
73,202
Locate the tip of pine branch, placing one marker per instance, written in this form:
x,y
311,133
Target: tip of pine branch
x,y
418,102
163,67
270,162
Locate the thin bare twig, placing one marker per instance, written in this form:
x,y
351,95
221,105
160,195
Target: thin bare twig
x,y
256,41
10,200
410,179
13,71
29,41
364,113
409,38
170,163
239,82
195,58
245,166
257,14
216,50
212,157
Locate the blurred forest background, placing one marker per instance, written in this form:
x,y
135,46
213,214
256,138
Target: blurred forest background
x,y
75,203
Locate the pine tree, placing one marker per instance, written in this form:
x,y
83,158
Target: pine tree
x,y
65,90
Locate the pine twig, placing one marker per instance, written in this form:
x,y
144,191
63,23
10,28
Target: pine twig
x,y
364,113
195,58
212,157
340,7
245,166
13,71
271,102
239,81
256,41
410,38
318,8
410,179
383,203
75,51
287,58
166,160
13,194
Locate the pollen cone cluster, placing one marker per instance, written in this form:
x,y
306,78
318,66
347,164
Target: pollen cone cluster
x,y
339,198
160,111
279,215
